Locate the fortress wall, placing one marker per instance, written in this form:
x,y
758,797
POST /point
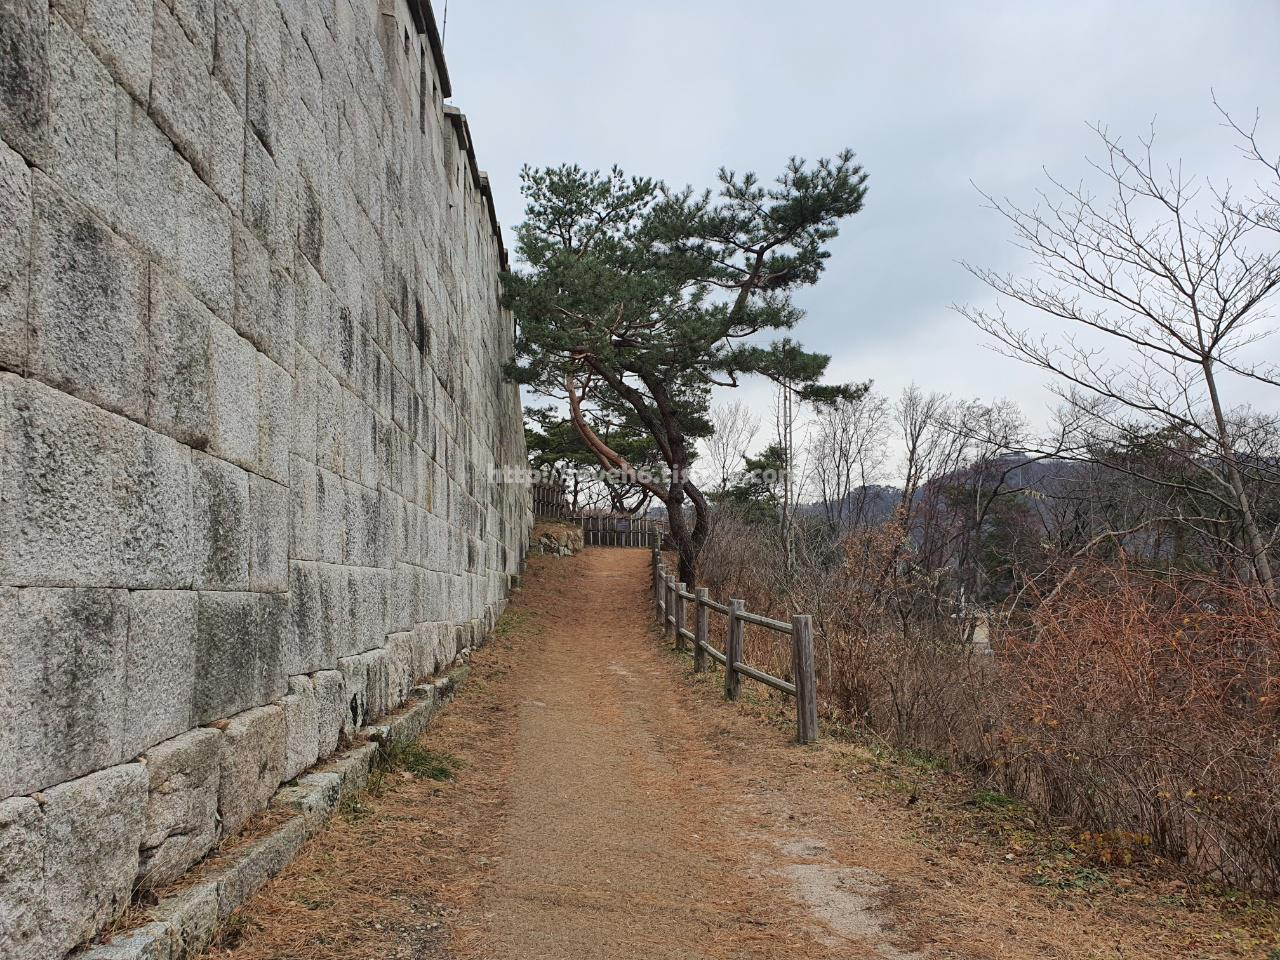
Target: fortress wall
x,y
250,395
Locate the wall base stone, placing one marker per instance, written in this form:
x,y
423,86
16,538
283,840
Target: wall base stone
x,y
183,924
182,804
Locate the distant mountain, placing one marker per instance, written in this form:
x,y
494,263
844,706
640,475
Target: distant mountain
x,y
871,505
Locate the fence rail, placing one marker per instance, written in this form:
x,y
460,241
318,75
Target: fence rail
x,y
672,598
605,530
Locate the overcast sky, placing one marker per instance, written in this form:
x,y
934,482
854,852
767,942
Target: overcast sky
x,y
931,96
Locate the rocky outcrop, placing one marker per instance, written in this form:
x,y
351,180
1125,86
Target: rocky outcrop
x,y
557,539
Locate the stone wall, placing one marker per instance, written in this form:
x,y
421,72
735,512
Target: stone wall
x,y
250,392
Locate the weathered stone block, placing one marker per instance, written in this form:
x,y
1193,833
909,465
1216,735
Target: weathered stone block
x,y
355,677
400,668
181,823
446,645
302,726
25,921
62,667
197,18
222,524
359,525
145,211
304,407
313,307
261,177
153,487
15,257
357,440
94,826
304,526
425,637
202,257
311,638
240,644
329,422
258,864
263,312
275,390
269,525
314,797
88,305
160,669
192,918
177,363
263,105
24,77
226,131
252,765
234,392
330,516
57,508
378,682
82,134
230,66
180,88
368,601
332,709
151,941
120,32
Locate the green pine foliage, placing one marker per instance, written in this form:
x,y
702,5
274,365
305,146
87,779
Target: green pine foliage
x,y
634,299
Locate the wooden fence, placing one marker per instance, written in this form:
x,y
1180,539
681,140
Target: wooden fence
x,y
607,530
673,600
549,499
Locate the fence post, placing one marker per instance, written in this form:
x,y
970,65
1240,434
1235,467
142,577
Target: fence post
x,y
733,650
700,632
671,606
802,672
660,596
679,616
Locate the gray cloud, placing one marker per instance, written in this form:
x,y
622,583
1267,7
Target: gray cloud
x,y
931,96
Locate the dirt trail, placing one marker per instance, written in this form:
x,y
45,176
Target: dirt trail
x,y
606,808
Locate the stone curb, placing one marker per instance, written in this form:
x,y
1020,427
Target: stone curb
x,y
183,924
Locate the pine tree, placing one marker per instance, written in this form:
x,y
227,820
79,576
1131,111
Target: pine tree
x,y
636,299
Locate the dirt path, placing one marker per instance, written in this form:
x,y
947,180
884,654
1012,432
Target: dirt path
x,y
607,808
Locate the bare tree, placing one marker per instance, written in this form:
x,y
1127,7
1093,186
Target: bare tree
x,y
1165,285
848,454
733,427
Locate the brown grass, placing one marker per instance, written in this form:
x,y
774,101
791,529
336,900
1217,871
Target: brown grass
x,y
636,814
